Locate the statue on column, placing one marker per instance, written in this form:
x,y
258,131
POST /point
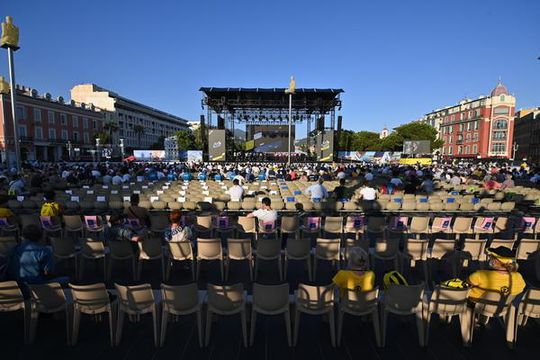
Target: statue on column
x,y
10,34
292,86
4,86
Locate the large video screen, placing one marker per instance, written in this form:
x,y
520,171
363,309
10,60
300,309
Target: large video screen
x,y
270,138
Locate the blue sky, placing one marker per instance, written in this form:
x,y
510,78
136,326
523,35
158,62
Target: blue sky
x,y
396,60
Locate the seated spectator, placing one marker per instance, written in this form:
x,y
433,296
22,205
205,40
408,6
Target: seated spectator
x,y
16,186
31,262
50,207
6,213
265,214
134,211
427,185
368,195
508,183
503,277
119,231
317,192
357,277
117,179
236,192
177,232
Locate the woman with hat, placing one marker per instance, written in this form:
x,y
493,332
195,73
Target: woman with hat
x,y
502,277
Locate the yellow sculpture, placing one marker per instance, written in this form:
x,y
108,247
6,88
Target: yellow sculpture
x,y
10,34
292,86
4,86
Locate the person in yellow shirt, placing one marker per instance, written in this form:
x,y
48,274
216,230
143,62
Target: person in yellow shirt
x,y
5,212
503,277
50,207
357,277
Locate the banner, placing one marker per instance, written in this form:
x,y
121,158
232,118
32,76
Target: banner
x,y
414,161
149,155
216,145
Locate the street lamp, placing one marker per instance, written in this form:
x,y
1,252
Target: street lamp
x,y
97,150
10,41
290,90
122,148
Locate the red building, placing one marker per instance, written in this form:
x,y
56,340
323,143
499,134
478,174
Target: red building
x,y
481,128
48,128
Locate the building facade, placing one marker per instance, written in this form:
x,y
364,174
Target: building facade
x,y
49,129
527,135
481,128
171,148
139,125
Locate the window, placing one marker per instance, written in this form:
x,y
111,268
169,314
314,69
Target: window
x,y
50,116
501,110
459,138
459,150
460,127
52,134
499,135
63,119
451,129
38,133
94,124
76,136
476,125
64,135
85,123
22,130
450,139
37,116
467,149
475,149
501,124
502,97
449,150
86,138
475,137
498,147
19,113
75,120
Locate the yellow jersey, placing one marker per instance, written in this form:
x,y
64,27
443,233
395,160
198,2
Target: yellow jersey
x,y
5,213
491,280
50,209
351,280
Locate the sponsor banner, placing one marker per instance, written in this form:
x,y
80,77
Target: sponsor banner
x,y
414,161
149,155
216,145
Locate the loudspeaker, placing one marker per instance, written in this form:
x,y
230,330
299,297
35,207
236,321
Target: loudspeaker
x,y
339,123
220,123
320,123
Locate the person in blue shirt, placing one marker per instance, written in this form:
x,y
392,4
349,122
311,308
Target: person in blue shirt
x,y
30,262
317,191
202,175
186,176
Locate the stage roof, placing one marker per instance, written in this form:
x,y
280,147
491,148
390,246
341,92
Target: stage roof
x,y
306,100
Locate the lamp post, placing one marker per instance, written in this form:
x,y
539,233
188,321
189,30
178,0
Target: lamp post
x,y
290,90
70,149
97,150
122,148
515,148
10,41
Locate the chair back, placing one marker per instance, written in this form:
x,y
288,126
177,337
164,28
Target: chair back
x,y
387,247
93,249
225,298
48,297
493,303
403,298
462,225
62,246
416,249
507,243
476,248
315,298
356,222
270,298
135,298
205,221
530,303
209,249
527,247
11,296
239,249
121,249
6,244
419,225
180,297
72,222
94,296
246,224
150,248
359,301
298,248
327,249
181,250
290,224
446,300
441,247
333,224
159,223
268,248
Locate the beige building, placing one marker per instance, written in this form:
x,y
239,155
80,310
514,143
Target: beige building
x,y
139,125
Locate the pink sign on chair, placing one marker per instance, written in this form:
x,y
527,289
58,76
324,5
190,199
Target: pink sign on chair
x,y
527,222
399,222
4,222
223,222
91,221
445,223
268,226
46,221
358,221
313,223
486,224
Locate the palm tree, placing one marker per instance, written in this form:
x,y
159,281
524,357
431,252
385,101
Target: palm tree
x,y
111,127
139,130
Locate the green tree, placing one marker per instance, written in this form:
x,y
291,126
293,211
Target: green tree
x,y
185,140
159,144
393,142
345,140
419,131
364,140
111,127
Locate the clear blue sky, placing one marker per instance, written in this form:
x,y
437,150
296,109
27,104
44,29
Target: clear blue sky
x,y
396,60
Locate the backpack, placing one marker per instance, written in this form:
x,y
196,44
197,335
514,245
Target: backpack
x,y
394,278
